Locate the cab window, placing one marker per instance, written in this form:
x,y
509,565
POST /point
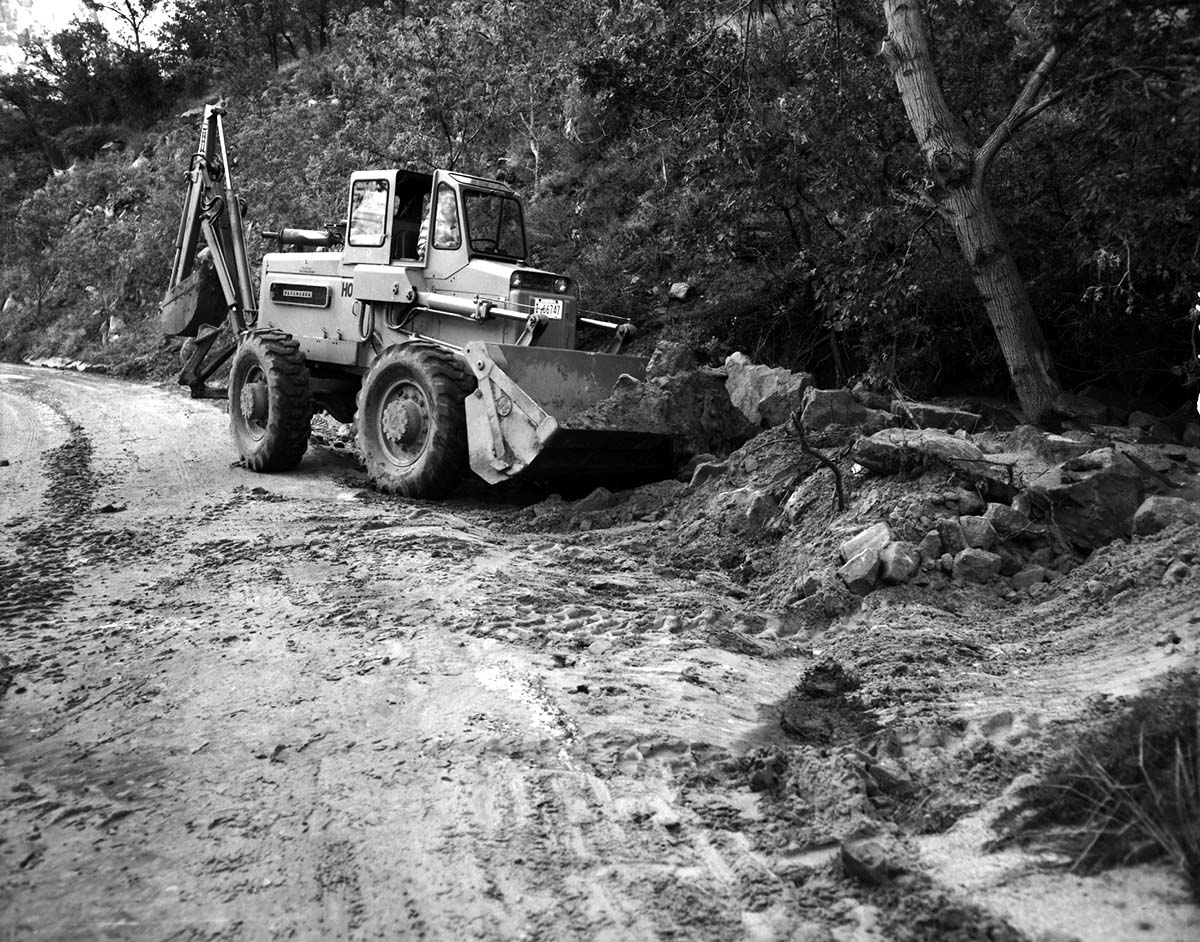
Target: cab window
x,y
369,203
494,224
446,231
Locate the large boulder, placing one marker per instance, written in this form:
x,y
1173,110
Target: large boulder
x,y
826,407
766,396
1091,499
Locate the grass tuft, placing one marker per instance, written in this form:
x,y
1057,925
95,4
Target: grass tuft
x,y
1127,790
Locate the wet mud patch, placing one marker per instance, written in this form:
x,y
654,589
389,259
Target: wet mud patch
x,y
39,575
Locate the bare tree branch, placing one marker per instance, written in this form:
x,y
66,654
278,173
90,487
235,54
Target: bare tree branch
x,y
1020,111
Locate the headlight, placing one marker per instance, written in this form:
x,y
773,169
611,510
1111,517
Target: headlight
x,y
561,285
515,280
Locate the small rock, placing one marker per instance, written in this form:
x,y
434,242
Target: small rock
x,y
760,507
1010,562
963,501
1176,573
946,562
861,571
809,585
679,291
976,565
1010,523
899,562
871,861
951,533
931,545
977,532
1157,512
1030,576
876,536
1042,556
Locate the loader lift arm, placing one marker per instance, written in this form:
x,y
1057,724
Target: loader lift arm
x,y
192,305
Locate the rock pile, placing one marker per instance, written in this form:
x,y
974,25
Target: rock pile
x,y
687,403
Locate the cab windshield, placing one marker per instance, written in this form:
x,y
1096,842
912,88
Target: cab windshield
x,y
494,224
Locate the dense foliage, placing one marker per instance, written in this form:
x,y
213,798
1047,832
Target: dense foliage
x,y
755,149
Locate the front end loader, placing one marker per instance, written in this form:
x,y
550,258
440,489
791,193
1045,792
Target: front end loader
x,y
417,319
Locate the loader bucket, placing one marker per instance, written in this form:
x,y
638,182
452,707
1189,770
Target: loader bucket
x,y
523,419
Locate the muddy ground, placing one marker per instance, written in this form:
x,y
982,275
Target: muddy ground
x,y
248,707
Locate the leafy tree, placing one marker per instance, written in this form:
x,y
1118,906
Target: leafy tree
x,y
131,13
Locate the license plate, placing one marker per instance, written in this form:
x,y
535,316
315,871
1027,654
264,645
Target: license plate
x,y
548,307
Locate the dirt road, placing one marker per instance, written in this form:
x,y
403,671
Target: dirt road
x,y
248,707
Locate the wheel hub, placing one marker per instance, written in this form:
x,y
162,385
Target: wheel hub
x,y
403,423
253,402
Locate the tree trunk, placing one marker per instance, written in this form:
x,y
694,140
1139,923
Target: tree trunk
x,y
959,170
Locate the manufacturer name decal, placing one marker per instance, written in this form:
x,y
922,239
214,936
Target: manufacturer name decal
x,y
304,295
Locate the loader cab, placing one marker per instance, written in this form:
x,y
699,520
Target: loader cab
x,y
473,220
385,217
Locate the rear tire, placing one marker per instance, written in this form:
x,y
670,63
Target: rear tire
x,y
270,402
411,427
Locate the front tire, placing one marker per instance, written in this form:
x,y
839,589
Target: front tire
x,y
270,402
411,427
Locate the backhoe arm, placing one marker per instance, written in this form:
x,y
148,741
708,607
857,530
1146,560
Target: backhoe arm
x,y
209,287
